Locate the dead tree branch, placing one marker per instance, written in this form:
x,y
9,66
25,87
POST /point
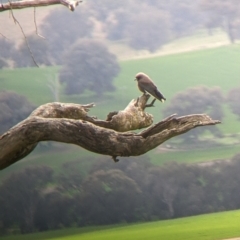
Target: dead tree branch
x,y
70,123
37,3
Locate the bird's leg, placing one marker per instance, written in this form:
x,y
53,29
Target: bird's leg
x,y
151,104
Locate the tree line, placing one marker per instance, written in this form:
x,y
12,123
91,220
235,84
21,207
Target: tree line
x,y
38,198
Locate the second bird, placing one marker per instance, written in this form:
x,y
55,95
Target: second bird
x,y
145,84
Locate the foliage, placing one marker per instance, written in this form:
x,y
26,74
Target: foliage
x,y
149,24
39,51
197,100
185,16
8,50
21,195
233,99
13,109
110,188
224,14
62,29
88,66
149,29
3,63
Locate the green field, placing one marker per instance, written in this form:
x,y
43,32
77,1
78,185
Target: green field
x,y
213,226
172,73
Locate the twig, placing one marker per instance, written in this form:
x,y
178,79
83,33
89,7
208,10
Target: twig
x,y
35,22
4,36
25,38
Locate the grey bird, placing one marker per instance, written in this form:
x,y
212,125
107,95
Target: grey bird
x,y
145,84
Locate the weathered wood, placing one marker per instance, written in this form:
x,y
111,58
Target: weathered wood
x,y
37,3
69,123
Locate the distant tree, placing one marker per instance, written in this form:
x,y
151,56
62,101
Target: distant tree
x,y
103,11
88,66
185,16
228,194
117,24
62,29
175,18
190,198
233,99
71,176
224,14
7,48
3,63
56,209
7,53
103,198
13,109
149,29
195,100
20,195
163,186
39,50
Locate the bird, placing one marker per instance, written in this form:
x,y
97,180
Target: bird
x,y
145,84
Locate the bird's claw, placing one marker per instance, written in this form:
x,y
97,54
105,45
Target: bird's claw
x,y
151,104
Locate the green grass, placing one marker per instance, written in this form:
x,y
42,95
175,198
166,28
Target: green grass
x,y
172,73
214,226
31,82
195,155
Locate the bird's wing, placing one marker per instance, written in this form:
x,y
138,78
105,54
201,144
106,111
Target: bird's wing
x,y
150,87
159,95
141,88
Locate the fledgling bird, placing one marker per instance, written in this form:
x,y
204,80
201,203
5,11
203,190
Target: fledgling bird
x,y
145,84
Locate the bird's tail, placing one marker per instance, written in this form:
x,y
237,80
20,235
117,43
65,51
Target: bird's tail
x,y
160,96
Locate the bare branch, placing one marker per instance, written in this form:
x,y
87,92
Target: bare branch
x,y
38,3
25,38
4,36
35,23
70,123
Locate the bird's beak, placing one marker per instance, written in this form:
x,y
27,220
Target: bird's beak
x,y
135,79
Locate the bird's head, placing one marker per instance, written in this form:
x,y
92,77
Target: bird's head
x,y
139,76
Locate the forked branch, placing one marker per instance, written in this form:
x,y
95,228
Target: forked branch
x,y
70,123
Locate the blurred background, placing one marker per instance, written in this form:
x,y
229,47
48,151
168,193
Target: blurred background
x,y
191,50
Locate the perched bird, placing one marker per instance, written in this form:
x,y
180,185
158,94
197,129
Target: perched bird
x,y
145,84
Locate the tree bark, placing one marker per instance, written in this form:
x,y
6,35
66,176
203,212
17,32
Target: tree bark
x,y
71,4
70,123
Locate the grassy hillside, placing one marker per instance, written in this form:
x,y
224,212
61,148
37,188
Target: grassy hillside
x,y
204,227
172,73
